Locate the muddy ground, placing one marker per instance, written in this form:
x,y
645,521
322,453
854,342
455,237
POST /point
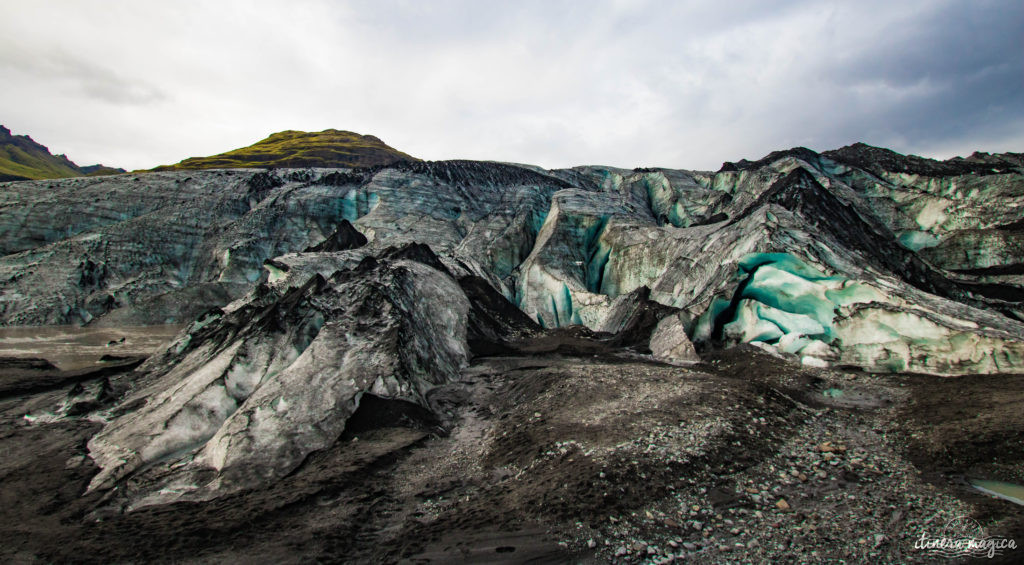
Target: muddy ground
x,y
563,450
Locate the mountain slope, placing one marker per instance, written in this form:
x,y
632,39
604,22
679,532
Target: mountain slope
x,y
21,158
328,148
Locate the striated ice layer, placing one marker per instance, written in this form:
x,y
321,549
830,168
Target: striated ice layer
x,y
786,303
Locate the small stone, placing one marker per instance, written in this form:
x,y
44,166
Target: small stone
x,y
621,552
688,546
782,504
536,414
802,477
591,543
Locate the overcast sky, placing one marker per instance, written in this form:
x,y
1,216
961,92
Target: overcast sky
x,y
628,83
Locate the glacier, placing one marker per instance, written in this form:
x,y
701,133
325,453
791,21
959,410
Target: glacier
x,y
306,289
810,238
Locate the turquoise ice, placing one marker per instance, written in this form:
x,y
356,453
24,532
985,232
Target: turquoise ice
x,y
782,300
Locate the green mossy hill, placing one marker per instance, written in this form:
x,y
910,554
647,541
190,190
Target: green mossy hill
x,y
328,148
21,158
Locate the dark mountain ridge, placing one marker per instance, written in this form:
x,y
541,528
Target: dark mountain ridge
x,y
878,159
21,158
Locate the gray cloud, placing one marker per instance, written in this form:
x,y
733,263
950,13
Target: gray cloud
x,y
682,84
937,78
85,78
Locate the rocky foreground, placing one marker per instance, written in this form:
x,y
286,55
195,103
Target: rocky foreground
x,y
794,359
562,448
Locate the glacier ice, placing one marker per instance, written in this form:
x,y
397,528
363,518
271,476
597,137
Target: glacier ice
x,y
784,301
748,326
898,341
917,240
